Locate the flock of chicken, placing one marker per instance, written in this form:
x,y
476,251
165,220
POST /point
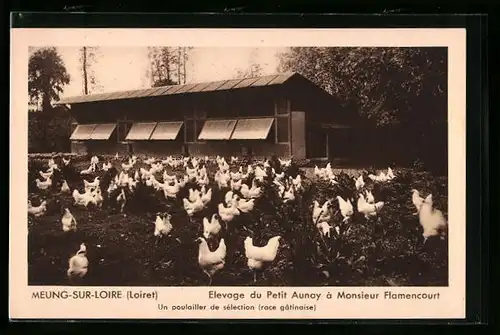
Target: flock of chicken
x,y
241,188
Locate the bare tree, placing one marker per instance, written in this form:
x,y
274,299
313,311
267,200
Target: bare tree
x,y
167,65
183,61
88,57
254,68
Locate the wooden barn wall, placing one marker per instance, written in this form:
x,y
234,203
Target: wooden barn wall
x,y
298,134
319,108
193,109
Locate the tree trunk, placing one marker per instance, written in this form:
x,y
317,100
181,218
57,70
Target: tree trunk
x,y
84,69
45,117
179,54
184,56
167,63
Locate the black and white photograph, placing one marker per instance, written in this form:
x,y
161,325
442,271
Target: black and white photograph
x,y
237,166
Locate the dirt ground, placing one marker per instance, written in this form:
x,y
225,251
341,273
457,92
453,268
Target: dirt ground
x,y
386,250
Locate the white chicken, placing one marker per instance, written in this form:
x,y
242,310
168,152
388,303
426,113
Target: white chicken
x,y
170,191
360,183
163,226
324,228
369,197
65,187
223,167
145,174
390,173
106,166
193,207
297,182
222,179
288,195
321,213
249,169
417,200
236,185
228,197
368,209
285,163
121,199
89,170
260,174
51,163
78,264
258,256
66,161
126,167
193,195
249,193
93,184
346,208
278,176
46,175
43,185
84,199
227,214
211,261
98,197
202,179
112,187
38,210
167,178
68,221
432,220
320,173
206,197
212,227
382,177
246,206
235,176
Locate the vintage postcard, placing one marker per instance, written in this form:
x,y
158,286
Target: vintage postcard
x,y
237,173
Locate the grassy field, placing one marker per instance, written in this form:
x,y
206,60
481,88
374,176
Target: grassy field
x,y
385,250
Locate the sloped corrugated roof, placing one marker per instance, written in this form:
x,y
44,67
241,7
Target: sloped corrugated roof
x,y
220,85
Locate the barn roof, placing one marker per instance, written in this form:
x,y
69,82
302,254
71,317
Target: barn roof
x,y
222,85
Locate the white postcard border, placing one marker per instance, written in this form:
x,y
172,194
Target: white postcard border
x,y
451,302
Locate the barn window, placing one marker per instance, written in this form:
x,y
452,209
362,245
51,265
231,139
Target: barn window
x,y
190,131
167,131
282,129
252,129
140,131
217,130
317,143
281,106
82,132
103,131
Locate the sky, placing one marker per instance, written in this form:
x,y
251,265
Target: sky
x,y
125,68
